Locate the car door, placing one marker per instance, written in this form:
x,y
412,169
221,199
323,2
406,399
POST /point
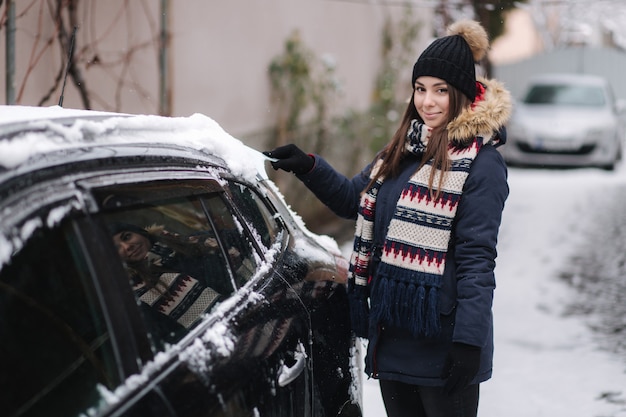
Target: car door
x,y
248,352
59,343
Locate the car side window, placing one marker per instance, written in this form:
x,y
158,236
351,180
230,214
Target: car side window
x,y
183,249
235,242
261,220
59,349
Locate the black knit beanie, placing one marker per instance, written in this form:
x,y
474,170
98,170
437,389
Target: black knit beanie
x,y
452,58
119,227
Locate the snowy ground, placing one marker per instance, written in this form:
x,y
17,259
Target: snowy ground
x,y
547,363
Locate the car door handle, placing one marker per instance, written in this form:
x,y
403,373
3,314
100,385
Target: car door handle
x,y
287,374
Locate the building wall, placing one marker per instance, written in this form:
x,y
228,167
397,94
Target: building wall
x,y
218,56
519,41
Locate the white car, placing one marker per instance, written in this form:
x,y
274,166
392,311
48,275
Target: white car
x,y
566,120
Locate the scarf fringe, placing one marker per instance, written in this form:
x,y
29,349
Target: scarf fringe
x,y
408,304
359,312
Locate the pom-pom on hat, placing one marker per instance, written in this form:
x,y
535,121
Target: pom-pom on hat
x,y
452,58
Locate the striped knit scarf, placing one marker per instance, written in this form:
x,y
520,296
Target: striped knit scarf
x,y
179,296
174,294
413,256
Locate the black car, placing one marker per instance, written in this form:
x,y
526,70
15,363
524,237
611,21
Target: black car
x,y
148,267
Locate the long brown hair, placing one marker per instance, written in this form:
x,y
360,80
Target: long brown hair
x,y
436,149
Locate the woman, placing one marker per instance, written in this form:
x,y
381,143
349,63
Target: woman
x,y
428,210
165,271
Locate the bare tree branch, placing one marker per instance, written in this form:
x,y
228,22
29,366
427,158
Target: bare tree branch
x,y
35,56
117,64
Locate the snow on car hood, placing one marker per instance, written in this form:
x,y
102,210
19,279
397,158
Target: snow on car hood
x,y
196,131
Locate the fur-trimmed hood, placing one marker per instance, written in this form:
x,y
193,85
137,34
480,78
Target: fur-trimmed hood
x,y
485,117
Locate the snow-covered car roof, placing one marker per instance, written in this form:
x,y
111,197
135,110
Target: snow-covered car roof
x,y
29,132
14,114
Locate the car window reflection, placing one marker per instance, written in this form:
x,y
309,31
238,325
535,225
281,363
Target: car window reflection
x,y
161,266
255,211
183,255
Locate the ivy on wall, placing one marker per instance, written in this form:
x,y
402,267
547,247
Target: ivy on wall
x,y
304,88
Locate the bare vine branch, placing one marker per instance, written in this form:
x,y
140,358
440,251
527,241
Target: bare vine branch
x,y
51,22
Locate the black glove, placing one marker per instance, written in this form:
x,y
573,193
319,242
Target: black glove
x,y
291,159
461,367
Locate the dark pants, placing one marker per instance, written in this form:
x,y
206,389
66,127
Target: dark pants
x,y
405,400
